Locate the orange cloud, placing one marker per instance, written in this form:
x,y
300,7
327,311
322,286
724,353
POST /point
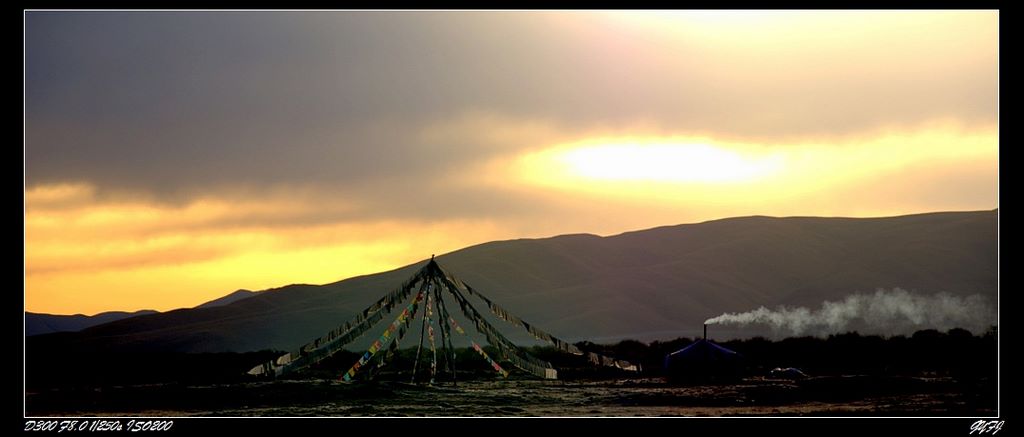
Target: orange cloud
x,y
124,255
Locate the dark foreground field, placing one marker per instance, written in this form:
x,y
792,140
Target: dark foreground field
x,y
823,396
927,374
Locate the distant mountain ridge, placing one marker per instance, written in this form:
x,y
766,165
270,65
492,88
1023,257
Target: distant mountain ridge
x,y
655,283
42,323
235,296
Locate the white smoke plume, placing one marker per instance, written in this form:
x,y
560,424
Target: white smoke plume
x,y
885,312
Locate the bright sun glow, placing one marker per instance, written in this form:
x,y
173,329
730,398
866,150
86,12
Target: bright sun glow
x,y
743,178
666,163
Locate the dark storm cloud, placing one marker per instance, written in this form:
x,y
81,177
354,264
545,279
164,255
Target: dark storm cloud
x,y
178,102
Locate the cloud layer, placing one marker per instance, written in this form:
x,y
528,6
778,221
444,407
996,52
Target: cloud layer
x,y
171,101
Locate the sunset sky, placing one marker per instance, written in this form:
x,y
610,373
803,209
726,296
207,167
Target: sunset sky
x,y
174,157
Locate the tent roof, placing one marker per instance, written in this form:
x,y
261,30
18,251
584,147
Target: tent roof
x,y
700,347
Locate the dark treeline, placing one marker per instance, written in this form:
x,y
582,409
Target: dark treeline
x,y
956,353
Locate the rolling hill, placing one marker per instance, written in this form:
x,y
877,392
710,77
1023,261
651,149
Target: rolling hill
x,y
42,323
230,298
655,283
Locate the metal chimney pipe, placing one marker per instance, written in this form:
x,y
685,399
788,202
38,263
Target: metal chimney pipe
x,y
705,332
